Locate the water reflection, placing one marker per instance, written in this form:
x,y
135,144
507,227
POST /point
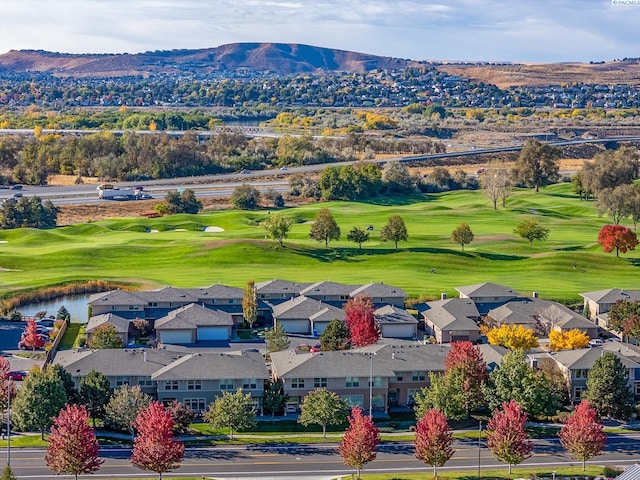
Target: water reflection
x,y
75,304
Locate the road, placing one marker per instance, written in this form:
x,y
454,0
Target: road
x,y
313,460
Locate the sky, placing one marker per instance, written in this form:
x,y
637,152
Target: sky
x,y
469,30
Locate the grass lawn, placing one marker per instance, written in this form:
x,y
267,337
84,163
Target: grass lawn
x,y
183,255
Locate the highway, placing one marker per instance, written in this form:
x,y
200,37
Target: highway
x,y
312,460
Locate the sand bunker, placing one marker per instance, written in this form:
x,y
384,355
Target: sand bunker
x,y
153,231
214,229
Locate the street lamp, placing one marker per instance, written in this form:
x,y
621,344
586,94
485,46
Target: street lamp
x,y
9,422
479,445
371,354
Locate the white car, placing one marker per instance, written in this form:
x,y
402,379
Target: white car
x,y
596,342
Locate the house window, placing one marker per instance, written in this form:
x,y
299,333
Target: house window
x,y
411,393
231,301
254,403
319,383
353,400
377,401
145,381
198,405
344,297
352,382
122,380
132,307
418,377
153,304
377,382
577,393
582,373
194,384
297,383
250,383
226,384
171,385
636,388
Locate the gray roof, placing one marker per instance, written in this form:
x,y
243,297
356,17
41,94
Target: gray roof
x,y
300,307
452,314
121,324
328,288
193,316
631,473
492,354
527,311
116,297
584,358
113,362
280,286
612,295
378,290
390,314
246,364
217,291
169,294
328,313
486,289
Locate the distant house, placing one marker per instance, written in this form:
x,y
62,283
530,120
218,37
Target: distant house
x,y
122,325
395,322
122,302
382,294
329,292
600,302
304,315
193,323
451,320
277,291
487,295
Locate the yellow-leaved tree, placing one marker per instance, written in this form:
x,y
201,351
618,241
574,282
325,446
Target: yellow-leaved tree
x,y
570,340
513,337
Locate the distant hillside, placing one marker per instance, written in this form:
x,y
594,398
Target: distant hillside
x,y
279,58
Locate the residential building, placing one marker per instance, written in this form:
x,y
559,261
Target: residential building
x,y
451,320
487,295
395,322
193,323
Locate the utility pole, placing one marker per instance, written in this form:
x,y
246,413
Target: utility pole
x,y
9,422
479,445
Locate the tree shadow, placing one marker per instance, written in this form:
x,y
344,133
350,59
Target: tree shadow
x,y
288,448
397,200
573,248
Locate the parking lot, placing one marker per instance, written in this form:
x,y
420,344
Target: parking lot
x,y
10,333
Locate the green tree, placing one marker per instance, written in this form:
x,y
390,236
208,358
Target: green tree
x,y
233,411
324,227
276,338
95,393
250,303
274,399
182,202
245,197
395,230
531,230
67,382
40,398
7,474
124,406
277,227
615,202
335,336
608,388
323,407
462,235
537,165
443,393
105,336
624,317
358,235
396,178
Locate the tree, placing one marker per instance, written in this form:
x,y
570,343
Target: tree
x,y
395,230
444,393
335,336
155,448
396,178
515,379
182,415
465,359
559,340
7,474
32,339
73,447
7,387
324,227
361,322
537,165
245,197
615,202
433,440
40,398
462,235
277,227
276,338
624,317
63,314
582,433
531,230
358,445
250,303
618,237
323,407
496,182
513,337
607,387
67,382
358,235
95,393
233,411
182,202
506,436
124,406
274,399
105,336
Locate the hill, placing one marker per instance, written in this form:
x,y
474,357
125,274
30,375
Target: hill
x,y
279,58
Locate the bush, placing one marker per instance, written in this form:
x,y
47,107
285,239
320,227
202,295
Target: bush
x,y
611,472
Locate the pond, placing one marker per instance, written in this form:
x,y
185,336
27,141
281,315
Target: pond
x,y
75,304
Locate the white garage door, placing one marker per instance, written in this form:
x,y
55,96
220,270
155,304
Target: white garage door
x,y
296,326
398,331
176,336
213,333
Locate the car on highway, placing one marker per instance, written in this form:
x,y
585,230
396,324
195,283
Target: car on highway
x,y
17,375
284,168
17,195
245,171
15,187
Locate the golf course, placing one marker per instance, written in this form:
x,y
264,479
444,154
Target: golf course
x,y
177,250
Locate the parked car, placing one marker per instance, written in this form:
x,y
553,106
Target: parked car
x,y
596,342
22,345
17,375
316,348
46,322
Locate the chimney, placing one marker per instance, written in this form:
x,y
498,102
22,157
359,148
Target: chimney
x,y
144,355
535,295
443,296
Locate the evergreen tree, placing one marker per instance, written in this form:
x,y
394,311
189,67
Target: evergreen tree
x,y
335,336
95,393
274,399
276,338
250,303
607,387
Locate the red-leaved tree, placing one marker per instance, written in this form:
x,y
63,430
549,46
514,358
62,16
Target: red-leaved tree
x,y
361,322
358,445
73,447
618,237
7,390
582,433
465,361
155,448
506,436
31,338
433,439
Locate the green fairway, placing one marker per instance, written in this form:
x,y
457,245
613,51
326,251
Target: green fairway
x,y
176,251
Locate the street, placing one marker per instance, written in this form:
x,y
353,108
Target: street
x,y
306,460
